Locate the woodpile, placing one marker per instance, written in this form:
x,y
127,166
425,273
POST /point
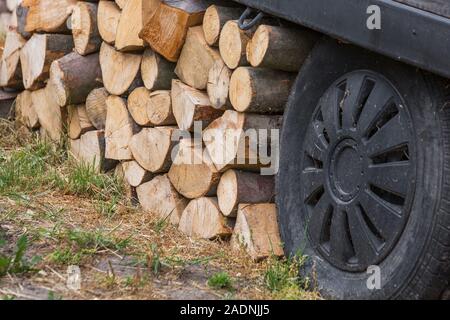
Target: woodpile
x,y
168,94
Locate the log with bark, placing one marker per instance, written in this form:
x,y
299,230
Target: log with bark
x,y
157,72
73,77
119,129
134,174
191,105
233,140
260,90
280,48
134,16
120,71
196,59
159,197
202,219
214,20
90,150
51,116
256,231
48,15
86,36
192,173
78,121
167,29
237,187
108,16
233,44
152,148
10,71
25,113
19,21
37,55
96,107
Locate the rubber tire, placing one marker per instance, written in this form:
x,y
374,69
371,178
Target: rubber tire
x,y
419,265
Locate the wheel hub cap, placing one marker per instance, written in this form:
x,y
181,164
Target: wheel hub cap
x,y
358,177
346,168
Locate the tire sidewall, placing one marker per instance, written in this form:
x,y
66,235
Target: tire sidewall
x,y
328,62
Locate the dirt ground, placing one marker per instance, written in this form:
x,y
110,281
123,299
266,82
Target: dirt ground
x,y
51,218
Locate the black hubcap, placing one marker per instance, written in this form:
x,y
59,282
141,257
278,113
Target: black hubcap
x,y
358,171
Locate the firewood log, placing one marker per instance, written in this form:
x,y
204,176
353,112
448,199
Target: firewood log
x,y
19,21
108,16
214,20
159,197
7,104
121,71
73,77
202,219
78,121
260,90
280,48
96,107
219,85
192,173
196,59
134,174
151,108
48,15
25,113
51,116
137,103
191,105
86,36
11,72
37,55
90,150
232,140
237,187
233,44
157,72
152,148
121,3
129,191
167,29
119,129
159,109
134,15
256,230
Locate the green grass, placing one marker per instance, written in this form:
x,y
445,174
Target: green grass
x,y
283,280
77,245
30,168
41,166
17,263
220,280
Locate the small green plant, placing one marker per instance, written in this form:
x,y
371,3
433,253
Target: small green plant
x,y
282,277
65,257
17,263
154,259
220,280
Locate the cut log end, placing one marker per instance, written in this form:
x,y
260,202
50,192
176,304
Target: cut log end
x,y
202,219
257,231
159,197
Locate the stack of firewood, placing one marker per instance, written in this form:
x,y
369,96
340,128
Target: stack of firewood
x,y
164,93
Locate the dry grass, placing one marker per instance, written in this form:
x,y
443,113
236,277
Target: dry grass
x,y
78,217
